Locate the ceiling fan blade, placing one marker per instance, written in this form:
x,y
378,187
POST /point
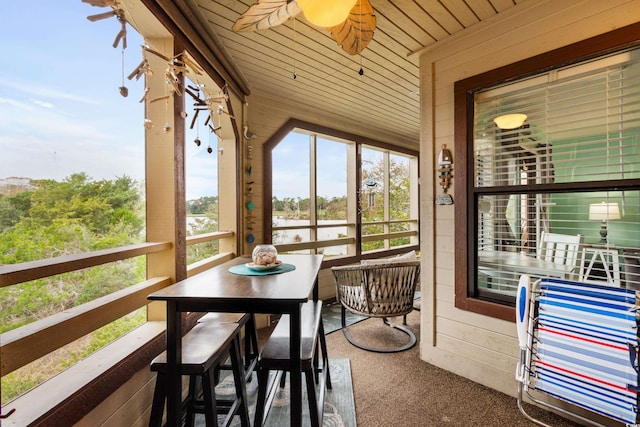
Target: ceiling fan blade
x,y
355,33
99,16
266,14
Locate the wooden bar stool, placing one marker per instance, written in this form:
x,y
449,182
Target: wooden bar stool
x,y
276,356
204,348
248,322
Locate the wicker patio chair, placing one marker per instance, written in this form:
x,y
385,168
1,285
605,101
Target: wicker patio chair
x,y
383,290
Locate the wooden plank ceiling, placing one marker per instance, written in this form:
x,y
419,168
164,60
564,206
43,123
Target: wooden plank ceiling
x,y
385,98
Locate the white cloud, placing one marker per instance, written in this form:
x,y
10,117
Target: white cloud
x,y
34,88
42,103
13,103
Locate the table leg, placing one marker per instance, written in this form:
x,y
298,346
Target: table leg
x,y
296,367
174,358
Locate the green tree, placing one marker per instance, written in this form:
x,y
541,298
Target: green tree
x,y
61,218
203,205
204,220
96,205
336,208
399,193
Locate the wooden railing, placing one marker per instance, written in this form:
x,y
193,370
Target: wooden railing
x,y
208,237
74,386
28,343
19,273
289,247
318,244
212,261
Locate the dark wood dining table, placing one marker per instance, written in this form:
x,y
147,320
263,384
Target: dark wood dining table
x,y
218,290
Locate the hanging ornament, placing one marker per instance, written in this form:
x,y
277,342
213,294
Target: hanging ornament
x,y
123,89
148,124
294,76
211,132
197,140
361,72
166,126
197,123
141,69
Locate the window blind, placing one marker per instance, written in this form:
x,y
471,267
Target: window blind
x,y
577,153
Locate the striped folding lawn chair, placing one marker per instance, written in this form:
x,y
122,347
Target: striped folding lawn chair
x,y
578,343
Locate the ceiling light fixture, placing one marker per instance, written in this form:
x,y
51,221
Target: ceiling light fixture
x,y
326,13
510,121
350,22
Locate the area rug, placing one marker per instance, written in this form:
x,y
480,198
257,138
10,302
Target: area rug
x,y
331,317
339,406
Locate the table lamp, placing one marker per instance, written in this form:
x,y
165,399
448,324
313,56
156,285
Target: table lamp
x,y
603,212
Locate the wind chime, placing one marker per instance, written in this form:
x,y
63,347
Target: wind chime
x,y
122,34
445,165
249,217
214,105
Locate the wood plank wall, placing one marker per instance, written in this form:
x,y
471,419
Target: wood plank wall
x,y
478,347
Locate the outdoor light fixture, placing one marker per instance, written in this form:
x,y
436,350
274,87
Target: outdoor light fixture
x,y
445,166
510,121
603,212
326,13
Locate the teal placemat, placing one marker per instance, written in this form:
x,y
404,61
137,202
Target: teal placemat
x,y
243,270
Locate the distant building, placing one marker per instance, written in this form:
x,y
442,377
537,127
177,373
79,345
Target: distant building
x,y
13,185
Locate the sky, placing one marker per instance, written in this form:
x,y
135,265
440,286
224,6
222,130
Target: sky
x,y
61,111
290,171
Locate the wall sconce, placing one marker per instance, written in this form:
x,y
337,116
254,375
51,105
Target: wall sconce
x,y
326,13
604,212
510,121
445,165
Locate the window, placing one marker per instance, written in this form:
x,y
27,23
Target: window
x,y
92,199
386,199
322,202
309,199
203,128
569,172
72,173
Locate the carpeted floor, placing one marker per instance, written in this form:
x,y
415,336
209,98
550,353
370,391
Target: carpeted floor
x,y
401,390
